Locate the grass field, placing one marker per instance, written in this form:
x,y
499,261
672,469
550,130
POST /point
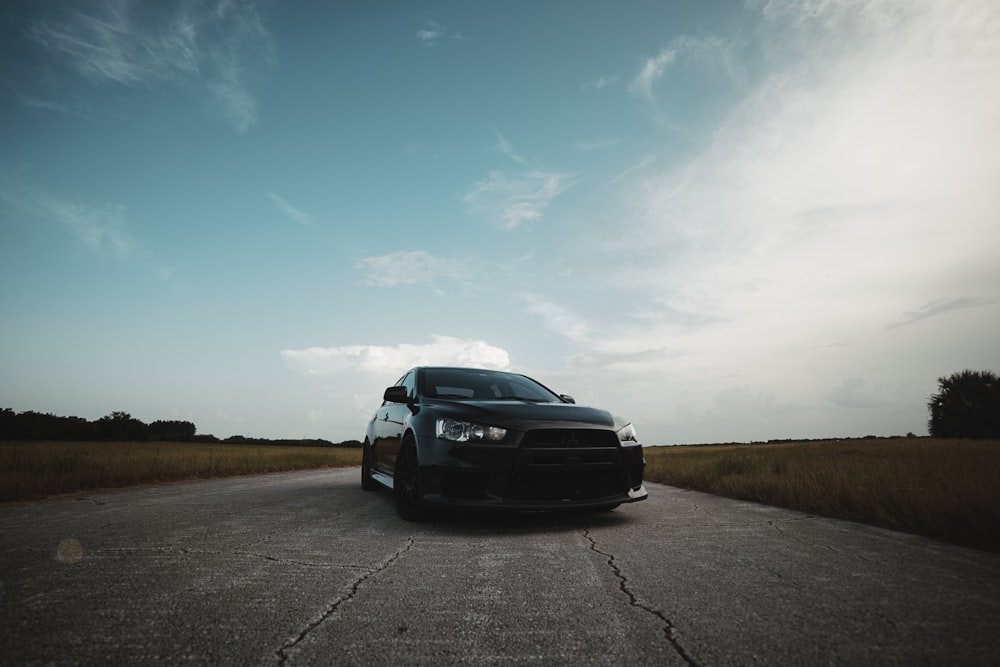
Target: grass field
x,y
946,489
31,470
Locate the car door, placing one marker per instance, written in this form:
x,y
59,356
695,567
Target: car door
x,y
380,461
393,418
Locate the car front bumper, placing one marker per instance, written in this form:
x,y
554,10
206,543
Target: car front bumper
x,y
479,475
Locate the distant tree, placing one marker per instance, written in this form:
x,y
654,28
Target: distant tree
x,y
967,405
8,424
121,426
181,431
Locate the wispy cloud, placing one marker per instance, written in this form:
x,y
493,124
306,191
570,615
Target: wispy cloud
x,y
216,45
290,211
103,229
651,72
103,48
854,392
600,83
642,164
940,307
507,149
514,198
394,360
707,49
410,267
431,32
558,318
589,146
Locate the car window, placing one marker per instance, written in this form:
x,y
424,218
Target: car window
x,y
483,385
410,382
407,381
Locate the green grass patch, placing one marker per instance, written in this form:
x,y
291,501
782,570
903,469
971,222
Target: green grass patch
x,y
32,470
946,489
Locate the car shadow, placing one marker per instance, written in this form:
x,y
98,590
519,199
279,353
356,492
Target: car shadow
x,y
503,522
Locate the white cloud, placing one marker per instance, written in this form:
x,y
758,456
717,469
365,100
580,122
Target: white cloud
x,y
860,172
292,212
393,361
850,193
431,32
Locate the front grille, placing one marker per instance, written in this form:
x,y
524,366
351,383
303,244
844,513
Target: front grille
x,y
571,438
568,465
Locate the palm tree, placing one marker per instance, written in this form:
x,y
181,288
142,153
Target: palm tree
x,y
967,405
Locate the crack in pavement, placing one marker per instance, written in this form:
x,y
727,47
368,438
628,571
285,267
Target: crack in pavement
x,y
800,540
282,653
186,551
669,632
291,561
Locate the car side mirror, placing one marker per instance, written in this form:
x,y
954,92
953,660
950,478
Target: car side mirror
x,y
567,398
396,394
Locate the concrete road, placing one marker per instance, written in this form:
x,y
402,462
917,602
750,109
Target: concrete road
x,y
306,568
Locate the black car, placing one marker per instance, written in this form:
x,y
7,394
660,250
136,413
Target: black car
x,y
465,437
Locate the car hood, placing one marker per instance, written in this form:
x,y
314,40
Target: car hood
x,y
519,415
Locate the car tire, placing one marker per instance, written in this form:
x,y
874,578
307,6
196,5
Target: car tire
x,y
405,482
367,483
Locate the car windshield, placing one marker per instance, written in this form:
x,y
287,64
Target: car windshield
x,y
471,384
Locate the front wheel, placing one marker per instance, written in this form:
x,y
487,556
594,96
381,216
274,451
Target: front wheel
x,y
367,483
405,482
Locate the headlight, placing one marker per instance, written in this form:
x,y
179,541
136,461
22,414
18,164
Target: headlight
x,y
628,434
459,431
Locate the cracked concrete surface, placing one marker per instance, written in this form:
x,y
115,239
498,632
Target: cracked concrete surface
x,y
669,632
306,569
285,651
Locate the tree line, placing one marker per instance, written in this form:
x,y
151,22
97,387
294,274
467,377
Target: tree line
x,y
967,405
123,427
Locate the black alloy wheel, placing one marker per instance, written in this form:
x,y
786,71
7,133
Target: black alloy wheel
x,y
367,483
405,485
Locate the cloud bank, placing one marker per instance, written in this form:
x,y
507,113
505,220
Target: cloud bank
x,y
395,360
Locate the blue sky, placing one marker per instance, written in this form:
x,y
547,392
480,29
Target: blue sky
x,y
726,221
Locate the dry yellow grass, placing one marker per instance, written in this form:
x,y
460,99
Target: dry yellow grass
x,y
947,489
30,470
